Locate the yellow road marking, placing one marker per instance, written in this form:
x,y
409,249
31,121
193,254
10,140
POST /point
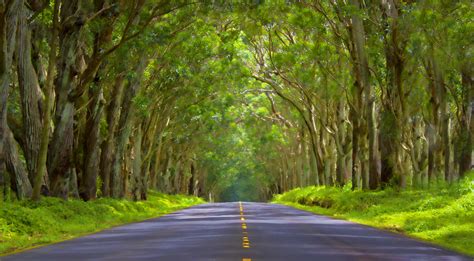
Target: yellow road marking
x,y
246,259
245,238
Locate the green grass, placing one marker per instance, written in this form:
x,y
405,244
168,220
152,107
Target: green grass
x,y
443,215
24,224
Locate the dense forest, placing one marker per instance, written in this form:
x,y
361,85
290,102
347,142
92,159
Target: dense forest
x,y
232,100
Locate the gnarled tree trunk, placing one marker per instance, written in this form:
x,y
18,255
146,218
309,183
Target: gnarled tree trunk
x,y
60,154
9,156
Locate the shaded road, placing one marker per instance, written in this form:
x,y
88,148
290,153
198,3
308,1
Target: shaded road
x,y
250,231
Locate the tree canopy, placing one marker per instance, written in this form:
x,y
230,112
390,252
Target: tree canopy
x,y
232,100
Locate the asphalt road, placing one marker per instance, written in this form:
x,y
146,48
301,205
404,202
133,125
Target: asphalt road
x,y
246,231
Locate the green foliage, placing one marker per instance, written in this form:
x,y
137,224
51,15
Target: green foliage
x,y
466,185
442,215
142,105
25,224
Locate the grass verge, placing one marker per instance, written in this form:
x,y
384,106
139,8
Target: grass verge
x,y
24,224
443,215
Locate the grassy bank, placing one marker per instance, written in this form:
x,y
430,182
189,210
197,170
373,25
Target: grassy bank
x,y
25,224
442,215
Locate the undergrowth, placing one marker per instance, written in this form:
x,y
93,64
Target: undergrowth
x,y
443,214
24,224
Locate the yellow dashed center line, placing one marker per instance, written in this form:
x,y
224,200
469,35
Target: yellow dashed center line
x,y
245,238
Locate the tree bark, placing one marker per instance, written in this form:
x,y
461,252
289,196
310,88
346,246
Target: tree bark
x,y
108,145
9,155
127,115
18,173
136,182
60,154
30,95
91,152
466,128
363,155
393,121
48,104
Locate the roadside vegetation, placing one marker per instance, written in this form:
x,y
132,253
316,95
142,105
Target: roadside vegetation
x,y
442,214
25,224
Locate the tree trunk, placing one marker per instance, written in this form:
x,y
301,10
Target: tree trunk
x,y
314,168
136,183
387,140
30,96
117,181
60,154
340,141
443,130
176,174
355,173
18,173
155,172
91,152
127,115
165,174
191,187
108,145
73,184
48,105
374,159
9,156
4,84
366,126
466,127
438,132
393,123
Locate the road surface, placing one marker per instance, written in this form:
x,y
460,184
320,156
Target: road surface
x,y
240,231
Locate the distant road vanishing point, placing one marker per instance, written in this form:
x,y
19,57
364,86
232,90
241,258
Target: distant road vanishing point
x,y
240,231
